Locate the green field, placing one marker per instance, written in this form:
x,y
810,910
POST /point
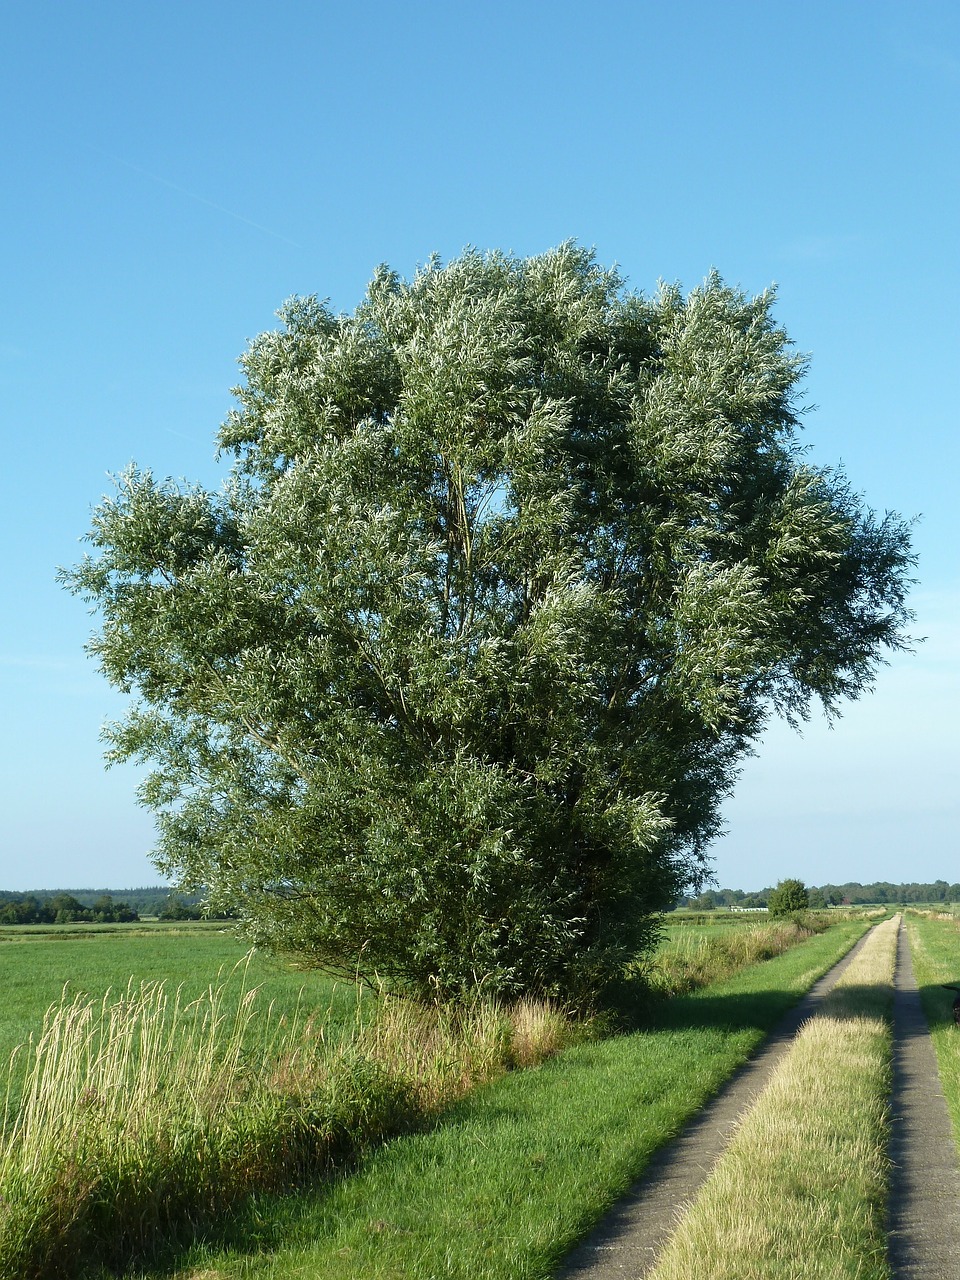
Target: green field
x,y
38,963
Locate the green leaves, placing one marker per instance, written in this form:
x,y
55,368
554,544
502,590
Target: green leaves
x,y
454,673
788,897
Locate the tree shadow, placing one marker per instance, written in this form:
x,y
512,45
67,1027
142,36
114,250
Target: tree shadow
x,y
265,1222
759,1010
937,1005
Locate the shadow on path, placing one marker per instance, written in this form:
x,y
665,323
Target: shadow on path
x,y
628,1240
923,1211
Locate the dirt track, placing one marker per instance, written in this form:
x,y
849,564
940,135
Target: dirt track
x,y
924,1209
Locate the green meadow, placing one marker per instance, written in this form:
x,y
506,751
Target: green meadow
x,y
39,963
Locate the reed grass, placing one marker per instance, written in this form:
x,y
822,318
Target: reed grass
x,y
133,1120
690,958
801,1189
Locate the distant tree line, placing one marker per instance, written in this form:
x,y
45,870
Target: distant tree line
x,y
146,901
852,893
898,894
98,906
64,908
717,899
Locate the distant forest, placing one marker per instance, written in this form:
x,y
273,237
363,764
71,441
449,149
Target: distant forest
x,y
96,906
104,906
835,895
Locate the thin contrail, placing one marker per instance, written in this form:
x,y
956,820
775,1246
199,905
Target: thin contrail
x,y
185,191
171,431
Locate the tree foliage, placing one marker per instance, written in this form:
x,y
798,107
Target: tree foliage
x,y
450,678
64,908
789,896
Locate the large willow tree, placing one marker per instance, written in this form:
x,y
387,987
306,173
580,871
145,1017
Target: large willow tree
x,y
450,679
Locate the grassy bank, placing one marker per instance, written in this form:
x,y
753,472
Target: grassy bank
x,y
521,1169
935,947
692,956
801,1189
141,1118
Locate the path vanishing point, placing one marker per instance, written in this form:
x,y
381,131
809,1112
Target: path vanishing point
x,y
924,1205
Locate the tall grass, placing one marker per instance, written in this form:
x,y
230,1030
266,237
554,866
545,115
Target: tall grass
x,y
520,1170
35,967
135,1119
689,958
801,1189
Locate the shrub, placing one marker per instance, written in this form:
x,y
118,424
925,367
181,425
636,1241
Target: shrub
x,y
788,897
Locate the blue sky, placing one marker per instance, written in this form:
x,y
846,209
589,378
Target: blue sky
x,y
174,172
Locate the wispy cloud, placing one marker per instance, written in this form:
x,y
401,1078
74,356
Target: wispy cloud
x,y
182,435
190,194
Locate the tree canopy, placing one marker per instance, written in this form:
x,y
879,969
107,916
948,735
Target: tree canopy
x,y
449,680
789,896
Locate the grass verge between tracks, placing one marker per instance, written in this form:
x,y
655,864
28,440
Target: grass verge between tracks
x,y
801,1189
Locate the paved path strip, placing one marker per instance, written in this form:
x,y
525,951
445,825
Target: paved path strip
x,y
924,1207
628,1240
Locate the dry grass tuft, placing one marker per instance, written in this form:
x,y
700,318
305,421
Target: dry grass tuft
x,y
538,1030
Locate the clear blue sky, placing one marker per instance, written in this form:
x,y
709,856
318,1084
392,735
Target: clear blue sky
x,y
172,172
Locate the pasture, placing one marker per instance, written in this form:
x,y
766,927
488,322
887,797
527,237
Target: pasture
x,y
39,962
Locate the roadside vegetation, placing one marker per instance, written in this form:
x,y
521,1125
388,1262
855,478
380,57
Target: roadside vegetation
x,y
238,1090
801,1188
141,1117
691,957
935,947
521,1169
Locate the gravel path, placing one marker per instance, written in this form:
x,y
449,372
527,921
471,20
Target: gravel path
x,y
924,1207
628,1240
